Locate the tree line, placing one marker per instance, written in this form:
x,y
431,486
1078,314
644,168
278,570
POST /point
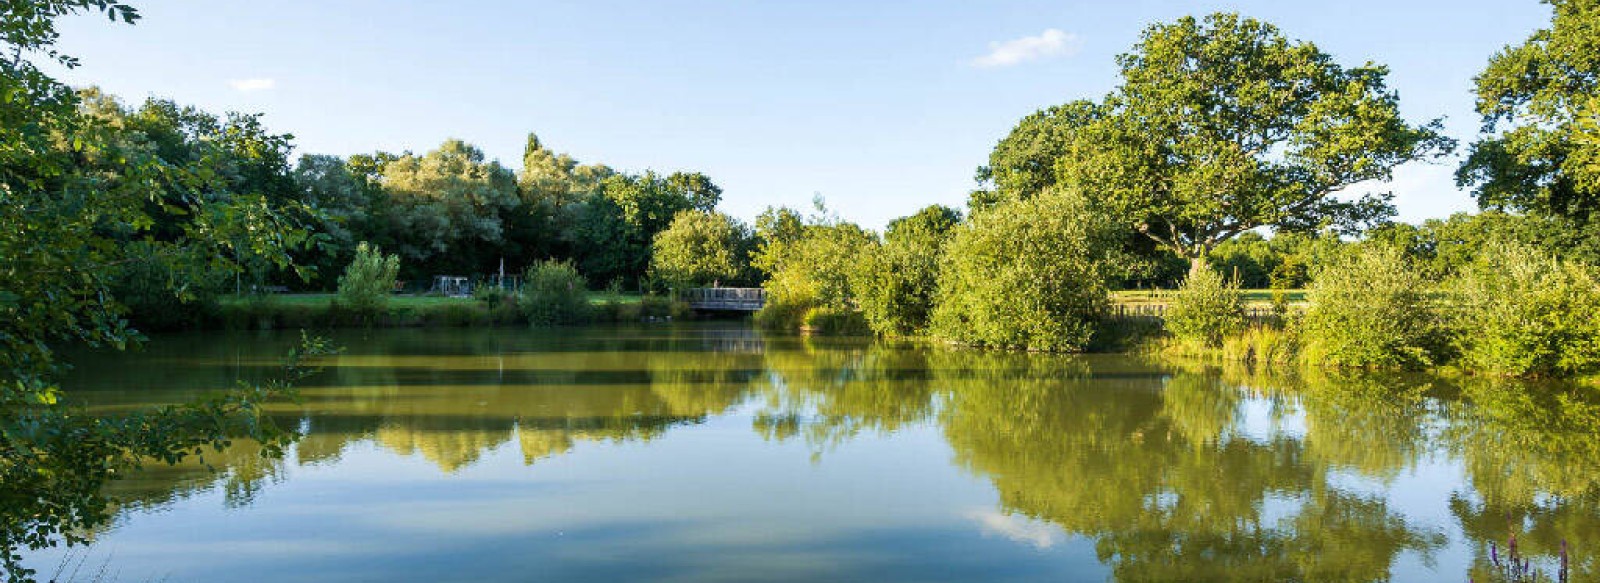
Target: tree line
x,y
447,211
1223,128
1220,126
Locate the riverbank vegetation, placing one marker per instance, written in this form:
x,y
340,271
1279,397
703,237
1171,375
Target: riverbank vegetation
x,y
1228,151
1021,270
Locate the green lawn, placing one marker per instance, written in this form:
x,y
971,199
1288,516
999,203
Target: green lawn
x,y
411,301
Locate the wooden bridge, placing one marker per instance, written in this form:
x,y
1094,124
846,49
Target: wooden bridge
x,y
725,299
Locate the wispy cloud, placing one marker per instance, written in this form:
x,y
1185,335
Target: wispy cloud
x,y
1050,43
251,85
1019,529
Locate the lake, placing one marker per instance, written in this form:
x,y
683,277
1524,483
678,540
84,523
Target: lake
x,y
710,452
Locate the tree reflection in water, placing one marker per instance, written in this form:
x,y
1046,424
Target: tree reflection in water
x,y
1176,472
1156,469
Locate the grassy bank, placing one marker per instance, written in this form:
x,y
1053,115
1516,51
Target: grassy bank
x,y
289,311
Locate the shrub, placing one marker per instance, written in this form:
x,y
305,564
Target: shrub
x,y
835,322
1518,311
895,283
553,295
1206,308
367,281
781,315
1369,309
490,294
657,306
1026,274
166,288
1280,305
809,267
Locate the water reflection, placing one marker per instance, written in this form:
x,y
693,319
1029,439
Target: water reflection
x,y
1161,473
1165,471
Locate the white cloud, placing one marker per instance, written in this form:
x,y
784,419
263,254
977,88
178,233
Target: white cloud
x,y
251,85
1019,529
1050,43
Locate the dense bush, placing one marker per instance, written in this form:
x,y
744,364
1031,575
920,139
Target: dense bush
x,y
1025,274
895,283
1369,308
167,288
834,321
808,265
490,294
1206,309
1519,311
368,280
553,294
657,306
778,315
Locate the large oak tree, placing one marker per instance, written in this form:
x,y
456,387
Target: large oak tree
x,y
1224,125
1539,99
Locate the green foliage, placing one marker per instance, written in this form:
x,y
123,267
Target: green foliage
x,y
1206,309
491,295
808,264
1261,345
1224,125
699,249
834,322
609,231
1519,311
167,288
781,316
328,184
895,283
453,211
1443,247
1248,260
1370,308
368,280
446,208
553,295
86,195
1535,99
1023,164
1026,274
1291,273
663,307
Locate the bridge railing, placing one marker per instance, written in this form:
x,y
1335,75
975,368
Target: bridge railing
x,y
725,298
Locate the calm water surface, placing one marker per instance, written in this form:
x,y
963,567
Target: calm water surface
x,y
712,453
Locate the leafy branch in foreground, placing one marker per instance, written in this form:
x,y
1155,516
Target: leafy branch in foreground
x,y
55,461
81,202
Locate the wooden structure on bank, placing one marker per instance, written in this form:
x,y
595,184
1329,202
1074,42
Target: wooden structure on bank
x,y
725,299
454,286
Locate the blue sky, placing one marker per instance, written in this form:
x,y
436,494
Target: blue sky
x,y
880,107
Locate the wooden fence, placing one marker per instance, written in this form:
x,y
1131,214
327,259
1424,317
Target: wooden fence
x,y
1159,312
